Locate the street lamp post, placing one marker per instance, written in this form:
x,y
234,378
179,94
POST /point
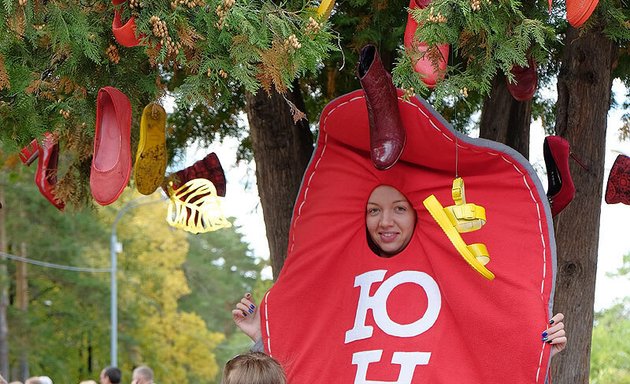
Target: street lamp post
x,y
115,247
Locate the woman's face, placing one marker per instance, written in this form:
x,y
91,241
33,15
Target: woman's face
x,y
390,219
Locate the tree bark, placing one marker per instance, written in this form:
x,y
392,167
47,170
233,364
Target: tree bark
x,y
282,150
584,93
505,119
4,293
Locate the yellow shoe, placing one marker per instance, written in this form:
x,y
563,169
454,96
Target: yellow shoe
x,y
151,155
324,9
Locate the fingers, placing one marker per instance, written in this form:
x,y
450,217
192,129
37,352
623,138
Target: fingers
x,y
558,317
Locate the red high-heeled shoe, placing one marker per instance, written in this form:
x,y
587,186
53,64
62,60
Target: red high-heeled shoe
x,y
526,81
423,65
560,189
47,155
125,34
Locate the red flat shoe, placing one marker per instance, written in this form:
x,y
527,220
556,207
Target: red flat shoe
x,y
618,185
578,11
47,155
387,133
526,81
125,34
417,49
111,163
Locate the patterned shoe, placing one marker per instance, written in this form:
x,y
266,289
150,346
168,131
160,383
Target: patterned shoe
x,y
618,185
207,168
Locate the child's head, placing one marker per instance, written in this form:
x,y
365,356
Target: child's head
x,y
253,368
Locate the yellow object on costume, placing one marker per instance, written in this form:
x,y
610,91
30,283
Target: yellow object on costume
x,y
195,207
461,218
150,163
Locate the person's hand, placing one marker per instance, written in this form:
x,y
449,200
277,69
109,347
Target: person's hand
x,y
247,317
555,334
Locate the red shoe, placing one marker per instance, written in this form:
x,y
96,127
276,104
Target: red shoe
x,y
111,163
618,185
578,11
418,50
560,189
47,156
125,34
526,81
387,133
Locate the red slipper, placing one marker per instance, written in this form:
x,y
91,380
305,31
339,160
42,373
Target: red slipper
x,y
526,81
618,185
125,34
418,50
111,163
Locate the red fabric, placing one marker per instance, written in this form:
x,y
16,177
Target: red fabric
x,y
482,332
618,185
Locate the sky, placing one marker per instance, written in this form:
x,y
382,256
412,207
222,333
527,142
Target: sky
x,y
242,202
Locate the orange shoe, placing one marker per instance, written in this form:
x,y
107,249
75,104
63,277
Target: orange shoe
x,y
111,163
578,11
418,50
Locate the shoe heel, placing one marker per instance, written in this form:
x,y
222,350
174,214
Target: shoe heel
x,y
29,153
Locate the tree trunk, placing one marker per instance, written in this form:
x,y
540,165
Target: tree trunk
x,y
584,93
4,293
504,119
282,150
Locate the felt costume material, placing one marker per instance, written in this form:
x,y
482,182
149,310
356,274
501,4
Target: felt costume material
x,y
341,314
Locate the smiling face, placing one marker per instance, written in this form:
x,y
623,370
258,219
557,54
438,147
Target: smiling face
x,y
390,219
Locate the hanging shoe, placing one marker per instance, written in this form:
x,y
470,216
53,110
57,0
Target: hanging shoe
x,y
578,11
125,34
47,155
207,168
418,50
618,185
526,81
387,133
151,154
560,189
111,163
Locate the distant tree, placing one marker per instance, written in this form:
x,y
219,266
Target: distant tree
x,y
610,353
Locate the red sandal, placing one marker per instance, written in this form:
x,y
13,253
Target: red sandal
x,y
47,155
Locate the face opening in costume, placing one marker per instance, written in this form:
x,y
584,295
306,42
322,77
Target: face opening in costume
x,y
390,220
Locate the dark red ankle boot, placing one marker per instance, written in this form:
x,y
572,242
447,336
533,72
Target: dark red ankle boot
x,y
387,133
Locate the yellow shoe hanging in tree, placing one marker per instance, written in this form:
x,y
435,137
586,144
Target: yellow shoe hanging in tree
x,y
148,171
324,9
195,207
461,218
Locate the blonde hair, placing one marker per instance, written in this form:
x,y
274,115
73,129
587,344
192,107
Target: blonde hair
x,y
253,368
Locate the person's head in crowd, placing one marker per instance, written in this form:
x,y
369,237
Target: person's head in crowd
x,y
253,368
111,375
142,375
